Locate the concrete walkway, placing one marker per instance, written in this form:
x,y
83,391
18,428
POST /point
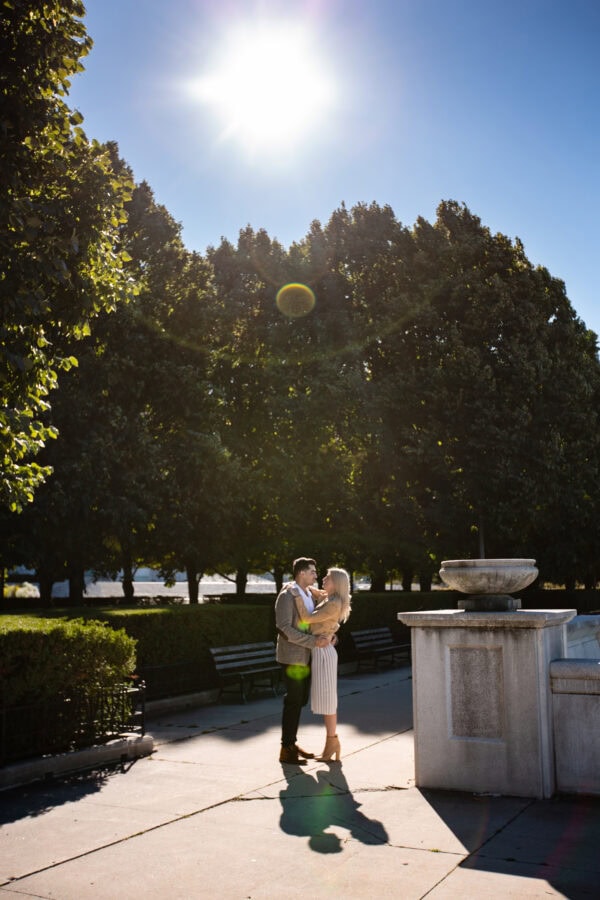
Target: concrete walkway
x,y
212,813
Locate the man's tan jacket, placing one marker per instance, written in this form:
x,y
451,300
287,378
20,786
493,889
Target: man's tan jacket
x,y
293,645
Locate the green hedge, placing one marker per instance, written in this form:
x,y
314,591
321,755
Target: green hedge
x,y
174,634
43,658
170,634
584,602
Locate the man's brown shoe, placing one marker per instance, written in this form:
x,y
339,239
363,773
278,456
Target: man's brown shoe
x,y
290,755
304,753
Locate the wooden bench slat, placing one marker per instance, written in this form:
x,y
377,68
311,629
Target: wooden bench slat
x,y
235,673
374,644
242,663
242,648
247,665
241,657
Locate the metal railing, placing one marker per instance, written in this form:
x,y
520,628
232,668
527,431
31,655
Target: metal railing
x,y
173,679
81,719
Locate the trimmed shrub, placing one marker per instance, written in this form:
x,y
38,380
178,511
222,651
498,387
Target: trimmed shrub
x,y
174,642
185,633
584,602
173,635
170,634
42,659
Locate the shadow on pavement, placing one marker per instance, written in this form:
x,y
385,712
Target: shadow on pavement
x,y
474,818
382,709
311,805
40,797
557,840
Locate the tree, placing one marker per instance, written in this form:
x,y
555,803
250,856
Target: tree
x,y
368,250
284,381
477,381
59,222
418,403
134,464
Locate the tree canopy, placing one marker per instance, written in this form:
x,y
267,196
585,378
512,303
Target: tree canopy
x,y
59,220
430,395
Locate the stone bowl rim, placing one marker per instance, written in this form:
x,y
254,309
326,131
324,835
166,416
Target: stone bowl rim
x,y
487,563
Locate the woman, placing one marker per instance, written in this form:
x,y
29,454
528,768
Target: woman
x,y
333,609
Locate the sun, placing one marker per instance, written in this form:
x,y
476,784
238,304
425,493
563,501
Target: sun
x,y
268,86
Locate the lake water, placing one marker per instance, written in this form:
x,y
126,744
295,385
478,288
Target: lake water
x,y
148,584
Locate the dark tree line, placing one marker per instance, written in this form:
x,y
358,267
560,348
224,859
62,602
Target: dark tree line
x,y
440,399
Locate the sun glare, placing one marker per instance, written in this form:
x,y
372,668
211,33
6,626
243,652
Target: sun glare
x,y
267,86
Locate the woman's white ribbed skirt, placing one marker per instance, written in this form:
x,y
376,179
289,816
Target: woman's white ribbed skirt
x,y
323,688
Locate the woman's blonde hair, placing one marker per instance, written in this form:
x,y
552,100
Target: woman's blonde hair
x,y
341,583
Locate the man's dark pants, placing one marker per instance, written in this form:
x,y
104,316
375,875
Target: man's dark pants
x,y
297,691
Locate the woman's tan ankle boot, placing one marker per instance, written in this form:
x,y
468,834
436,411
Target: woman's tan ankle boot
x,y
332,748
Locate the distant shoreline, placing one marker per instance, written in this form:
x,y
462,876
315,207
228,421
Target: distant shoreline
x,y
209,586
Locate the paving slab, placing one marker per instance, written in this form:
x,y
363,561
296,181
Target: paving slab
x,y
273,848
127,747
564,831
69,831
515,880
212,813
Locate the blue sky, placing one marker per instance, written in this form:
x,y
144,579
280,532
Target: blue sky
x,y
496,105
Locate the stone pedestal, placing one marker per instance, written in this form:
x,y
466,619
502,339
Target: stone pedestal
x,y
482,699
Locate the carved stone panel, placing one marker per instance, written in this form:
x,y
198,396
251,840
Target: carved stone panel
x,y
476,686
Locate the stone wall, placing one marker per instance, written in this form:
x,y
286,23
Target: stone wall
x,y
583,637
575,687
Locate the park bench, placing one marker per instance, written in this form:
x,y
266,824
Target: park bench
x,y
247,667
377,645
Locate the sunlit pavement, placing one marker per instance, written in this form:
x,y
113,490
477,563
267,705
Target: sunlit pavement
x,y
212,813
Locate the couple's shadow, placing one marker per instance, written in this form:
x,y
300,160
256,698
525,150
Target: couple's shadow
x,y
312,803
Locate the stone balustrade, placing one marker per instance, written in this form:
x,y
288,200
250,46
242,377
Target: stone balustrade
x,y
575,685
583,637
506,702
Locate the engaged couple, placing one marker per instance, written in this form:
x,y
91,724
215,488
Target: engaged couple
x,y
307,620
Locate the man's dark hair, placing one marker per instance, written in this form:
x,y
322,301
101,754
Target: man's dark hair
x,y
301,564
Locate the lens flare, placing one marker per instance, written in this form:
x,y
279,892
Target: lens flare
x,y
297,672
295,300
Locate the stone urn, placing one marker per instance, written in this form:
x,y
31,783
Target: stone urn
x,y
488,582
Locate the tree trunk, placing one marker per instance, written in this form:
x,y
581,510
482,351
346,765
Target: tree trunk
x,y
241,579
128,589
193,581
590,581
378,580
45,583
425,581
407,581
278,576
76,586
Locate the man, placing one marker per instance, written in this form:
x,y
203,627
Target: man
x,y
293,652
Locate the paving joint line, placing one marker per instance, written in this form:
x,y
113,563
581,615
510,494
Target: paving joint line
x,y
476,850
